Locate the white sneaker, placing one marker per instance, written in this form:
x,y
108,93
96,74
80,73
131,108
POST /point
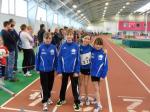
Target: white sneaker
x,y
28,74
94,101
45,107
50,101
87,101
98,108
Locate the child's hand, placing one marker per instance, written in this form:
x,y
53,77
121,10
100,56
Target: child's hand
x,y
102,79
105,51
75,75
60,75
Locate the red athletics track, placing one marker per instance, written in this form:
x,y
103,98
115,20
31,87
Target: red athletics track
x,y
126,90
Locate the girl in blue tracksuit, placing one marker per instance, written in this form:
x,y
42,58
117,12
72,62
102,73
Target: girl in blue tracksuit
x,y
46,60
85,54
99,68
69,66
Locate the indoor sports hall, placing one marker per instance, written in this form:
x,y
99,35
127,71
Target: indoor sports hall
x,y
74,55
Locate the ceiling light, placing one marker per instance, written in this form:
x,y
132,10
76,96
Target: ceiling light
x,y
78,11
105,8
106,3
82,14
124,7
127,3
74,6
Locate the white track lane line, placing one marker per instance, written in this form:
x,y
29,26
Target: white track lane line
x,y
108,95
16,109
19,93
55,108
134,74
133,55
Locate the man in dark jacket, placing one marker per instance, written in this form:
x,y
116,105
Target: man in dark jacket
x,y
10,43
16,37
41,33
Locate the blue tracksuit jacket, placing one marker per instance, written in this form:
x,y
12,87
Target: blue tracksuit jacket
x,y
99,63
46,58
69,58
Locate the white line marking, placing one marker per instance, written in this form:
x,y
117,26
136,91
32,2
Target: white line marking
x,y
55,108
130,97
18,93
132,54
136,57
108,95
145,87
35,102
20,110
135,103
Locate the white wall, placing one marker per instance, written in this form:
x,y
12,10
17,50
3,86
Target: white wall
x,y
19,21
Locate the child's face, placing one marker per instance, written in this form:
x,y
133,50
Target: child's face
x,y
86,40
69,38
98,47
1,41
48,40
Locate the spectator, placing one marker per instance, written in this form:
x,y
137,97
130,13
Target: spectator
x,y
41,33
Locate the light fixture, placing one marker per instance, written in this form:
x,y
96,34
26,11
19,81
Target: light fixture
x,y
74,6
106,3
124,7
78,11
127,3
82,14
105,8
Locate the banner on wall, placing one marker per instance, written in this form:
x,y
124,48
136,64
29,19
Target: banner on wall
x,y
133,26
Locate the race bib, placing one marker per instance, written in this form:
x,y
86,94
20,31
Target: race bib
x,y
85,58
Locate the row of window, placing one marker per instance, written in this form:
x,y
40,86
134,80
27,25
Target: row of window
x,y
19,8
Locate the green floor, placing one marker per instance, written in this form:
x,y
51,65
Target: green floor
x,y
142,54
17,86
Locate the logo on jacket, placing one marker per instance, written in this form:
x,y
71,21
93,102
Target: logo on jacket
x,y
52,52
73,51
100,57
43,49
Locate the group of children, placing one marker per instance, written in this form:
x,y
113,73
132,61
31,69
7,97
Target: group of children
x,y
79,62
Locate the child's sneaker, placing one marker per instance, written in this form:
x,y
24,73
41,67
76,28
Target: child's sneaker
x,y
87,101
98,108
94,101
76,107
60,102
45,107
50,101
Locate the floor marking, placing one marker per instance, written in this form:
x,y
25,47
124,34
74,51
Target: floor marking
x,y
35,102
137,58
135,103
132,54
108,95
55,108
134,74
20,110
130,97
19,93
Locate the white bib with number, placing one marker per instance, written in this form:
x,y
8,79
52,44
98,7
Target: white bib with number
x,y
85,58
